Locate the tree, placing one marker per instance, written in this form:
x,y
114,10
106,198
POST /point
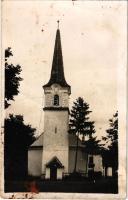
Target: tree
x,y
79,122
18,137
92,145
12,78
111,144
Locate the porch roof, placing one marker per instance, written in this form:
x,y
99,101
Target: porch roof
x,y
54,162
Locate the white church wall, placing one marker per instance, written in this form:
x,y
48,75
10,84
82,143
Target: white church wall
x,y
62,155
109,171
59,173
64,99
34,162
48,98
47,176
56,127
98,163
81,161
55,138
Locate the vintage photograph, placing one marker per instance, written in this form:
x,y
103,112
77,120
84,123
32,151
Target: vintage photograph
x,y
62,66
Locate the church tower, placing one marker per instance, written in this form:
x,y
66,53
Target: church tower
x,y
55,159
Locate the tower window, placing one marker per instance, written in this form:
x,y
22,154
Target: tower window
x,y
55,129
56,100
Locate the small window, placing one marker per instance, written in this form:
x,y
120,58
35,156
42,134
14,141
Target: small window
x,y
55,129
56,100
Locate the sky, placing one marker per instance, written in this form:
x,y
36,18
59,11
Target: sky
x,y
92,37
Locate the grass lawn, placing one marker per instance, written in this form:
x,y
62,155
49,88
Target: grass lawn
x,y
104,185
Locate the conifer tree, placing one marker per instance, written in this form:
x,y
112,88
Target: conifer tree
x,y
92,145
79,122
111,144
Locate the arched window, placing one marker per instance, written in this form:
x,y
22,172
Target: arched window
x,y
56,100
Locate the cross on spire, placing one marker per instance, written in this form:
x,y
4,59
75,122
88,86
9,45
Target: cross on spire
x,y
58,23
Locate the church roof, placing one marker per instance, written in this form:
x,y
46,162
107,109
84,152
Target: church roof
x,y
54,162
38,141
72,141
57,72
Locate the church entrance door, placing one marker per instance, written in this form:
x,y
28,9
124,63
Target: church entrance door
x,y
55,166
53,173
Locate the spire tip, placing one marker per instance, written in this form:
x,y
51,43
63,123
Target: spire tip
x,y
58,23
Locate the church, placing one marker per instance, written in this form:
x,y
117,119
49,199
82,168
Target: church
x,y
52,155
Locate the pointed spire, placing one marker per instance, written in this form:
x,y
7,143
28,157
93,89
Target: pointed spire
x,y
57,72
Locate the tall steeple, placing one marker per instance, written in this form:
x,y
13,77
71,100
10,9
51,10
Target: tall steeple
x,y
57,72
56,118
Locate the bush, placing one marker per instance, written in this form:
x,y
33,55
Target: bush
x,y
97,175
